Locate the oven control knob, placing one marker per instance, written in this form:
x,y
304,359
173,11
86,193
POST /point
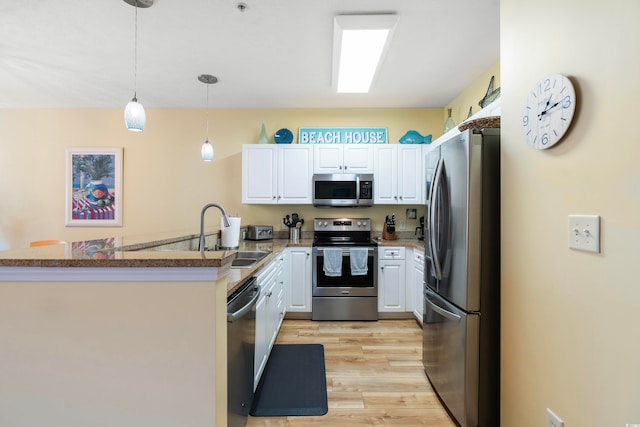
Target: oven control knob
x,y
325,224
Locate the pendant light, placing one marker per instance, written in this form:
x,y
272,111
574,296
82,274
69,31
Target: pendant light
x,y
134,115
207,149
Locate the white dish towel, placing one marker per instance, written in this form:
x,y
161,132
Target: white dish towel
x,y
358,261
332,264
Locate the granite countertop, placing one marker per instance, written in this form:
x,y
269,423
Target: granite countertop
x,y
116,252
408,243
144,251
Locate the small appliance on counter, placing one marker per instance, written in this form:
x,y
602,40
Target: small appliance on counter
x,y
294,223
420,229
259,232
389,228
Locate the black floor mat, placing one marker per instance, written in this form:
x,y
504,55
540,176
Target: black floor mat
x,y
294,382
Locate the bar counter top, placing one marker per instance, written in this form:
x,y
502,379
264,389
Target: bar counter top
x,y
118,252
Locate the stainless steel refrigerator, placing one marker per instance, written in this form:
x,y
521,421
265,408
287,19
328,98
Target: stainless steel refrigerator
x,y
461,319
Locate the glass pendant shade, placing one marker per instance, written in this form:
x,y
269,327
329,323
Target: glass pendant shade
x,y
449,124
207,151
134,116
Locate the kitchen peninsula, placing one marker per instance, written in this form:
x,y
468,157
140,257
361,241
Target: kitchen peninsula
x,y
115,332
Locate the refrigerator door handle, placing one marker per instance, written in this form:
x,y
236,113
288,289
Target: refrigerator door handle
x,y
433,208
441,311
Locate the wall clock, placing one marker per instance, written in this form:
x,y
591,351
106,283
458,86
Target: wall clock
x,y
548,111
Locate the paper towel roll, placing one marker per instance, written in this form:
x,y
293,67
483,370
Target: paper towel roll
x,y
230,235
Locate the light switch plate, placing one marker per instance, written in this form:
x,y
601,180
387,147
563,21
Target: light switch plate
x,y
584,233
553,420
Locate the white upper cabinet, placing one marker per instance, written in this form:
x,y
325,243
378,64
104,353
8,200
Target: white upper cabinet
x,y
398,174
385,190
278,173
410,174
342,158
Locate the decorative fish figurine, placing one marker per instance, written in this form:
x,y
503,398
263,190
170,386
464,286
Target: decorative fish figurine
x,y
413,137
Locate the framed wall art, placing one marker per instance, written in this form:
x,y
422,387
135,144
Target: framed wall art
x,y
93,187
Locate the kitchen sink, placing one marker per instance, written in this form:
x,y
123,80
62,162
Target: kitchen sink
x,y
247,259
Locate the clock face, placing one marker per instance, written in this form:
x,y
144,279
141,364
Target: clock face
x,y
549,111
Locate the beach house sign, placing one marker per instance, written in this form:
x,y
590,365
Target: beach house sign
x,y
342,136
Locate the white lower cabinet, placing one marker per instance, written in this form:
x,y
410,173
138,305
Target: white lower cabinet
x,y
418,283
391,279
270,310
299,286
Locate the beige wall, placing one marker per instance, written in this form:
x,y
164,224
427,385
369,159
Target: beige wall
x,y
112,353
165,182
569,334
472,95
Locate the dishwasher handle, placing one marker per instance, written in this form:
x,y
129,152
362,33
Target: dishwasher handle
x,y
232,317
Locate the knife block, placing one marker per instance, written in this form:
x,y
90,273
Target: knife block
x,y
388,235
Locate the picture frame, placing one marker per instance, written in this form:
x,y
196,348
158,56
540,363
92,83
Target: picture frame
x,y
93,187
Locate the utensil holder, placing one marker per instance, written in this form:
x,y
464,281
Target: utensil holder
x,y
294,234
388,235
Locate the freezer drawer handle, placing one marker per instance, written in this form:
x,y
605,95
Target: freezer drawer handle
x,y
441,311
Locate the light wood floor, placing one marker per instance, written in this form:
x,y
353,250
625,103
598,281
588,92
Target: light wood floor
x,y
374,375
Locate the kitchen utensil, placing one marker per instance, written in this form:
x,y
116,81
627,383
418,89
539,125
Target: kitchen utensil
x,y
293,220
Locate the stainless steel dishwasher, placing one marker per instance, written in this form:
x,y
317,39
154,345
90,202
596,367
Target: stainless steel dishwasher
x,y
241,327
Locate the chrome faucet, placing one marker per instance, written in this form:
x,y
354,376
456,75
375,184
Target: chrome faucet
x,y
225,219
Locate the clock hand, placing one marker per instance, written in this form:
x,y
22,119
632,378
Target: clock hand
x,y
546,110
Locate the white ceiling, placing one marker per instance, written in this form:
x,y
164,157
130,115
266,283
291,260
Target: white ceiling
x,y
276,54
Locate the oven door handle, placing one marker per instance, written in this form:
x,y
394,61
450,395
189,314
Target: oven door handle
x,y
345,250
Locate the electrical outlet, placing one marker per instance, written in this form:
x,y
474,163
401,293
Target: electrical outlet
x,y
403,225
553,420
584,232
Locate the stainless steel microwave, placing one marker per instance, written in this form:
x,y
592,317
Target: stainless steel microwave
x,y
343,190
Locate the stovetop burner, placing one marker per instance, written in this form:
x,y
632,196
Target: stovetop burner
x,y
342,232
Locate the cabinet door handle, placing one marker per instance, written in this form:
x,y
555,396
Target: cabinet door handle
x,y
381,267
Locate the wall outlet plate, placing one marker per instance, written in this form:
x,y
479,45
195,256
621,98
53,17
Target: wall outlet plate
x,y
584,232
553,420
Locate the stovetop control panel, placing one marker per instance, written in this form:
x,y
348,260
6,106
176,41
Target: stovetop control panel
x,y
342,224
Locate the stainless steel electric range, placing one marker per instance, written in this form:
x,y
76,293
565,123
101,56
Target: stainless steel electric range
x,y
345,262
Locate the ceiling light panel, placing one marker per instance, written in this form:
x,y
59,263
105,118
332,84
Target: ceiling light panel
x,y
360,43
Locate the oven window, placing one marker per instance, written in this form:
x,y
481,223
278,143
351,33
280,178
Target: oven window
x,y
327,190
346,280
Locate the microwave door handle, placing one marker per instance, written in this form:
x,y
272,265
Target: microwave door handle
x,y
357,189
433,208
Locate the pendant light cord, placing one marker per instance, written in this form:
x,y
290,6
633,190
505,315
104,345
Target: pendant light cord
x,y
135,56
207,136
